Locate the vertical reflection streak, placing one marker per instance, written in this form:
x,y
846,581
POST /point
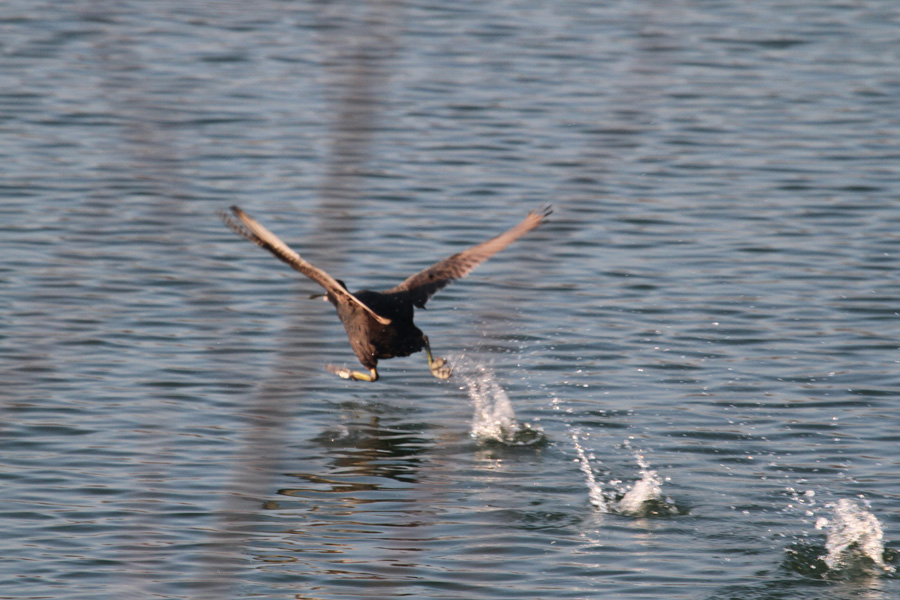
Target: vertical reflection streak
x,y
354,76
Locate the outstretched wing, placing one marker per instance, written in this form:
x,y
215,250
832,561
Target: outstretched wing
x,y
424,284
247,227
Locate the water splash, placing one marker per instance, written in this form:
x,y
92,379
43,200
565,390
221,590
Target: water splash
x,y
595,490
854,534
853,548
494,419
643,498
805,501
643,493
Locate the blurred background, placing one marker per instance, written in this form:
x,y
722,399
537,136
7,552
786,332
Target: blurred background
x,y
684,386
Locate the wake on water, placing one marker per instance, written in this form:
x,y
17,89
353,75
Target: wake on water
x,y
495,421
854,541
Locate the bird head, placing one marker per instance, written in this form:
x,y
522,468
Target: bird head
x,y
325,296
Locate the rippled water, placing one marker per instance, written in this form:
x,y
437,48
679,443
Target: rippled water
x,y
684,386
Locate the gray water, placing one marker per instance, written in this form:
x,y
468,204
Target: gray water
x,y
684,386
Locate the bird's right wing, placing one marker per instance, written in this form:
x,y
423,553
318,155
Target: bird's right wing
x,y
247,227
425,283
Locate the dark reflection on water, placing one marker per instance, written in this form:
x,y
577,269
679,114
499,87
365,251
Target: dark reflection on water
x,y
716,296
374,450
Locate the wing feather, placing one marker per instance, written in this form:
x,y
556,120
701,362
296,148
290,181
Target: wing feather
x,y
424,284
248,228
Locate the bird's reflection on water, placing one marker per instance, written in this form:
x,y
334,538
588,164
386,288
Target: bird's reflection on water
x,y
365,450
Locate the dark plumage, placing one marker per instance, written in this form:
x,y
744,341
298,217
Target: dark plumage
x,y
380,324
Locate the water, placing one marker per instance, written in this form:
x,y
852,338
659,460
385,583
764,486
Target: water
x,y
495,418
854,533
700,350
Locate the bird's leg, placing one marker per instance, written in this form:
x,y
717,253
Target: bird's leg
x,y
438,366
346,373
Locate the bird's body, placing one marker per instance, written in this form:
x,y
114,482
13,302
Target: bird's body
x,y
380,324
372,340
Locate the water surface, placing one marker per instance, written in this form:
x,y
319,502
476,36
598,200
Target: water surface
x,y
684,386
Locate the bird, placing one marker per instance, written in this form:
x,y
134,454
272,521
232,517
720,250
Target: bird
x,y
380,325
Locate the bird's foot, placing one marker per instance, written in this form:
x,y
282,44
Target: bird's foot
x,y
440,368
346,373
437,365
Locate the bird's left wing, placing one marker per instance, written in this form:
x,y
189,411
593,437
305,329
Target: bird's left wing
x,y
424,284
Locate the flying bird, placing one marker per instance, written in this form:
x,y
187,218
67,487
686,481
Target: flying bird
x,y
380,324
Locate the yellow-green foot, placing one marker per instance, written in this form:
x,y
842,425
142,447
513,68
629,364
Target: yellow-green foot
x,y
346,373
440,368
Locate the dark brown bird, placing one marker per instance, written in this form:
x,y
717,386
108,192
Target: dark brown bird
x,y
380,324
